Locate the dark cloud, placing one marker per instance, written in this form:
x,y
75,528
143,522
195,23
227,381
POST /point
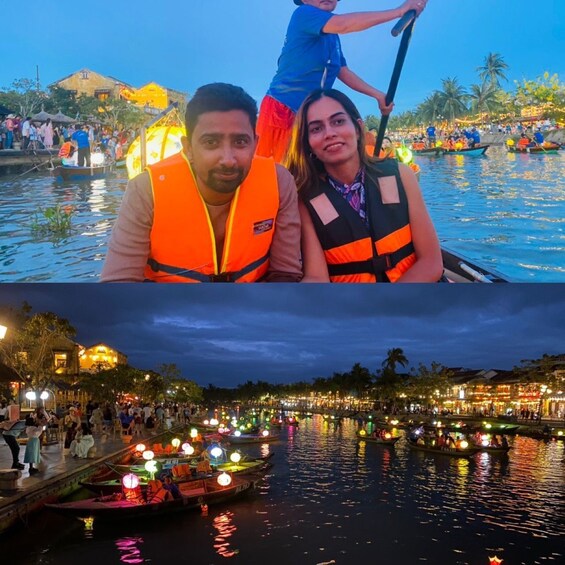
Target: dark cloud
x,y
224,334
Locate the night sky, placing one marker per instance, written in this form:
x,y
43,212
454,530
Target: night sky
x,y
228,334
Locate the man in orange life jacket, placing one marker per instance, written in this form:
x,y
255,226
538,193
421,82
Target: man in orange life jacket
x,y
213,212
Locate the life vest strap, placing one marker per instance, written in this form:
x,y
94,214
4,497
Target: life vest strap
x,y
376,266
201,277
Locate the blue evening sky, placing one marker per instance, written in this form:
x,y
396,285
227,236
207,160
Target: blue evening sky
x,y
227,334
183,44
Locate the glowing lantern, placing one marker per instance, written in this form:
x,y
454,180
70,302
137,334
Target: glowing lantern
x,y
394,422
224,479
235,457
458,146
463,444
485,442
214,422
237,433
439,143
30,395
221,430
130,481
187,448
388,435
193,433
140,447
249,425
494,560
362,433
161,142
488,426
216,452
404,154
559,433
265,433
151,466
175,442
510,143
88,523
148,455
206,422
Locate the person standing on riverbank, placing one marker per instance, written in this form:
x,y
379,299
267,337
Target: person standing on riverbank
x,y
11,430
312,58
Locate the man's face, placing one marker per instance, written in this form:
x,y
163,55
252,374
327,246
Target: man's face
x,y
326,5
221,150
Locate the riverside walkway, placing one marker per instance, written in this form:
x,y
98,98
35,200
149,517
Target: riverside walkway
x,y
59,475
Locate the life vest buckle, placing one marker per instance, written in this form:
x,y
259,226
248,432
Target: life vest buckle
x,y
222,278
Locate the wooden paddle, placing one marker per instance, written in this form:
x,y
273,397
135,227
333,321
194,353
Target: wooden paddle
x,y
405,26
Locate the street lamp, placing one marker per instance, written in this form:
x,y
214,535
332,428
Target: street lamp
x,y
3,330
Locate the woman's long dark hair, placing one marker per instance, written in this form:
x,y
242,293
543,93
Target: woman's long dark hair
x,y
300,161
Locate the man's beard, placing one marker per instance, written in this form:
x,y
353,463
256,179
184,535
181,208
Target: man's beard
x,y
225,186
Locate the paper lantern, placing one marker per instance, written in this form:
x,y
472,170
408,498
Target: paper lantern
x,y
463,444
140,447
131,481
362,433
193,433
495,560
265,433
216,452
235,457
161,142
224,479
148,455
237,433
206,422
214,422
151,466
175,442
388,435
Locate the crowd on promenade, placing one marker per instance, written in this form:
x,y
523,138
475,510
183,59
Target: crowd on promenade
x,y
79,429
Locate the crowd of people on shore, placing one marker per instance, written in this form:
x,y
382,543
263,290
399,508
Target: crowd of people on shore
x,y
27,134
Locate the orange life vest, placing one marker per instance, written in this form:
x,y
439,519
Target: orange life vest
x,y
67,149
355,252
418,145
183,246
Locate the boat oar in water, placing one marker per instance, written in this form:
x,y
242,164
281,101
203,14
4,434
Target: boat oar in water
x,y
405,26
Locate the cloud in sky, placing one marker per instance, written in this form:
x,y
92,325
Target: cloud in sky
x,y
227,334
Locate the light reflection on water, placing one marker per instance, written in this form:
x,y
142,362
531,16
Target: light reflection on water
x,y
331,498
503,210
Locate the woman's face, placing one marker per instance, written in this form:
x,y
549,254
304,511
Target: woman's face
x,y
332,135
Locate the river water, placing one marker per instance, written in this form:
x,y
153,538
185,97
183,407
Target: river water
x,y
331,499
504,211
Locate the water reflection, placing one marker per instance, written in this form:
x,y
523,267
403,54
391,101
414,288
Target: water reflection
x,y
225,527
129,550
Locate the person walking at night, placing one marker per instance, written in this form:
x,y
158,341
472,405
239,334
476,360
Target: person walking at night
x,y
312,58
363,220
11,430
213,212
32,453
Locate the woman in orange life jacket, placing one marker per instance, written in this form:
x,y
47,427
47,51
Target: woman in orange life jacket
x,y
363,220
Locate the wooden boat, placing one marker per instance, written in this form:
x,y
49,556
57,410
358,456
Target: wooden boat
x,y
469,151
536,150
430,152
254,467
251,438
460,269
494,449
450,452
389,442
69,173
193,495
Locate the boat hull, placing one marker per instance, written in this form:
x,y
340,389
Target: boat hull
x,y
535,150
470,151
446,452
68,173
379,440
193,496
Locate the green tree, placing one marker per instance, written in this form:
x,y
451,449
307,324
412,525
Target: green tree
x,y
28,348
63,100
483,98
492,71
546,91
452,99
372,122
429,383
430,109
111,385
23,96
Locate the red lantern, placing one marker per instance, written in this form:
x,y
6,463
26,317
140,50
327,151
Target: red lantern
x,y
495,560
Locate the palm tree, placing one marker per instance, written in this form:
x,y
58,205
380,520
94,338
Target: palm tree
x,y
394,357
483,98
429,110
453,99
492,72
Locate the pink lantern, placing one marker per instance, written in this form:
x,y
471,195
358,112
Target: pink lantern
x,y
130,481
